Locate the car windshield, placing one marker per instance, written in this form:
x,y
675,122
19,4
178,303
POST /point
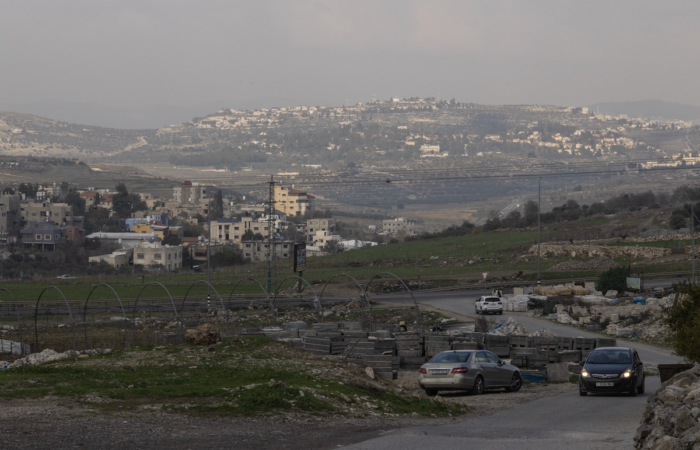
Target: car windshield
x,y
609,357
450,357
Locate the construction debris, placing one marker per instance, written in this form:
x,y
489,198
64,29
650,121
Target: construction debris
x,y
512,327
47,356
205,334
599,263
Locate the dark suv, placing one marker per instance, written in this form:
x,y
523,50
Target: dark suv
x,y
612,370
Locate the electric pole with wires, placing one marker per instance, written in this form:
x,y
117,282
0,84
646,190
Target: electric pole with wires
x,y
271,240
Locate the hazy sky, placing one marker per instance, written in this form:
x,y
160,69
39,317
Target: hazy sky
x,y
146,52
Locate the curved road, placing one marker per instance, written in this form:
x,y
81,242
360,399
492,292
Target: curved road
x,y
463,303
564,421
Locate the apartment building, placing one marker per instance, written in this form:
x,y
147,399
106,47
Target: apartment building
x,y
61,213
315,225
293,202
154,254
259,250
9,216
394,225
43,235
190,193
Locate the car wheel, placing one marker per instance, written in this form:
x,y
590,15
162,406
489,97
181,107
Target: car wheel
x,y
431,392
478,387
633,391
515,383
500,313
582,393
641,388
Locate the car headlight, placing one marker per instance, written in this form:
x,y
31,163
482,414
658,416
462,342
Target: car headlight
x,y
584,374
627,373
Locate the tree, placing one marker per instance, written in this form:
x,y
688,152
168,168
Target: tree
x,y
333,247
677,220
248,235
124,203
216,206
192,231
258,237
613,279
171,239
531,211
230,256
401,235
683,322
72,198
8,191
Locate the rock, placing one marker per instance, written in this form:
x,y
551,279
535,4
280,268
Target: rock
x,y
684,420
346,398
370,372
667,443
205,334
691,436
439,399
683,382
695,412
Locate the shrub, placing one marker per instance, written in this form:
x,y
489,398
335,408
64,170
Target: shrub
x,y
683,321
613,279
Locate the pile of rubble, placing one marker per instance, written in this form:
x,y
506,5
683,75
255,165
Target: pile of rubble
x,y
601,262
592,251
47,356
670,420
512,327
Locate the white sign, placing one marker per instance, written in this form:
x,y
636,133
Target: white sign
x,y
484,274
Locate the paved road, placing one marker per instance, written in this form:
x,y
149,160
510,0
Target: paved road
x,y
463,303
565,421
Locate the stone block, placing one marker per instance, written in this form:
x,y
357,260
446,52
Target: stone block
x,y
558,372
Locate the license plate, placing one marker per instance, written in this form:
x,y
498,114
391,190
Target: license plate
x,y
439,371
605,384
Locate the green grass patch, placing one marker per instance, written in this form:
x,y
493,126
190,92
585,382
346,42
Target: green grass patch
x,y
244,376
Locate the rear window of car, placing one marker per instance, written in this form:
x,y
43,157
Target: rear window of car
x,y
450,357
492,300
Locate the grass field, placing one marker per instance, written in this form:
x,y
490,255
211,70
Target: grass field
x,y
240,376
443,260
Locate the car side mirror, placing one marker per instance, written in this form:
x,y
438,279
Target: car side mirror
x,y
500,363
580,363
639,364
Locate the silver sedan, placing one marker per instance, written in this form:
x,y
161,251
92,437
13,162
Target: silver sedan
x,y
472,370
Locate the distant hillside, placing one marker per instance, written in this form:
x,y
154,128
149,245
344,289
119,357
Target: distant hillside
x,y
137,117
651,109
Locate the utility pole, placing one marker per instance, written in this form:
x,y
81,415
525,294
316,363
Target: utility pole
x,y
209,266
271,241
539,202
692,235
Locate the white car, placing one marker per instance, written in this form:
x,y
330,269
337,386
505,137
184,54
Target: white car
x,y
65,277
489,305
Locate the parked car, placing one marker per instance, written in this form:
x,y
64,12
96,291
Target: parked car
x,y
65,277
489,305
612,370
471,370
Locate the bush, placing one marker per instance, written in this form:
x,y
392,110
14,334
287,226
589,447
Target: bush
x,y
613,279
683,321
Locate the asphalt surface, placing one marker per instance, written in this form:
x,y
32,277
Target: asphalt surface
x,y
567,421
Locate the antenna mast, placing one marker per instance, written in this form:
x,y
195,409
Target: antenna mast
x,y
271,241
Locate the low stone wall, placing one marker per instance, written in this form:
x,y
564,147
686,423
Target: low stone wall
x,y
592,251
670,421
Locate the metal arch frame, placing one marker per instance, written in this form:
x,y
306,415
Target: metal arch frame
x,y
36,312
404,285
182,308
364,294
19,319
317,301
136,302
272,306
126,334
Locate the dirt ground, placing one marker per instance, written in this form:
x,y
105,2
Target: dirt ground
x,y
58,423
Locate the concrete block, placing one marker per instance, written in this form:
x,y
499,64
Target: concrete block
x,y
558,372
